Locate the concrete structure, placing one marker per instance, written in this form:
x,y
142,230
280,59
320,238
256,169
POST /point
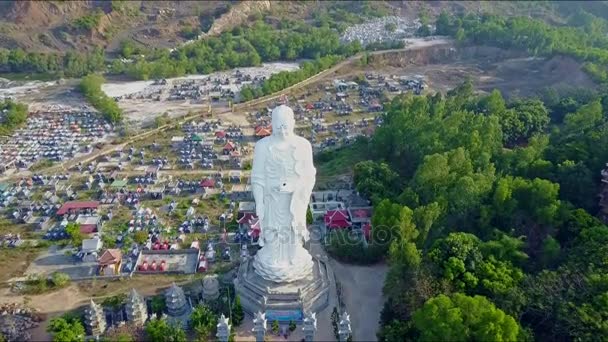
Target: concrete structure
x,y
310,326
94,319
168,261
283,280
223,329
89,223
259,326
175,300
344,329
90,248
136,309
211,287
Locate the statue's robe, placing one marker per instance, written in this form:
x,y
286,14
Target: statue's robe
x,y
283,222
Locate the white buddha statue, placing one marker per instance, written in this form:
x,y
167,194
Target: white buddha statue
x,y
282,179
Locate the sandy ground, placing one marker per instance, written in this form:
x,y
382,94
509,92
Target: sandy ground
x,y
143,111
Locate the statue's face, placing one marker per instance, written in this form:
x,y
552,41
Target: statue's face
x,y
282,125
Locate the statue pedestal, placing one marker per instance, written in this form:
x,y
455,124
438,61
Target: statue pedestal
x,y
308,294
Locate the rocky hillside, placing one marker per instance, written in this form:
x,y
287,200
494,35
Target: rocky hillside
x,y
58,26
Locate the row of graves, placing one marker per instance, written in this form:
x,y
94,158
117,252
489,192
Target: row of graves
x,y
223,86
223,148
397,84
56,134
34,200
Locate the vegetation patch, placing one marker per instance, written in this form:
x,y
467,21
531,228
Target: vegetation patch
x,y
90,86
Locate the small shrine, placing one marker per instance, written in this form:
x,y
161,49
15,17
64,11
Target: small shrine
x,y
176,301
94,319
211,287
136,309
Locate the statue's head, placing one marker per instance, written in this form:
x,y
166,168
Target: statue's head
x,y
283,122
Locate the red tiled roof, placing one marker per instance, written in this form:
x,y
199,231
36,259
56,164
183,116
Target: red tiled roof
x,y
229,146
110,256
67,206
88,228
246,218
336,219
261,131
220,134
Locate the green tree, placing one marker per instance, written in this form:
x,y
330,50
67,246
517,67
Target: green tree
x,y
73,230
14,115
523,120
292,326
385,224
66,328
375,180
394,331
309,217
60,279
140,237
237,312
203,321
550,251
461,318
159,330
442,25
275,327
90,86
158,304
494,103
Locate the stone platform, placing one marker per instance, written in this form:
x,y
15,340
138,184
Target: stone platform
x,y
309,294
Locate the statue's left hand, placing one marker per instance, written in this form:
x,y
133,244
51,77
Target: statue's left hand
x,y
305,235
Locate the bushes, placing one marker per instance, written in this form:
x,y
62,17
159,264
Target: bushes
x,y
285,79
60,279
67,328
37,284
203,321
89,21
90,86
70,64
15,114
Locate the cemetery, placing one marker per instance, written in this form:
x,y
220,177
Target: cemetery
x,y
380,30
142,101
54,134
